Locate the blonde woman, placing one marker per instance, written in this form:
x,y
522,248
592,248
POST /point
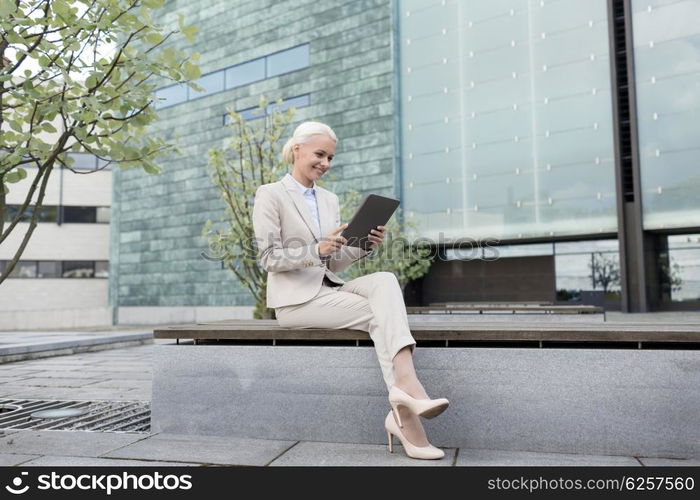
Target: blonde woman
x,y
297,229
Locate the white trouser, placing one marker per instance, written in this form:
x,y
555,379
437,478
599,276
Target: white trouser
x,y
372,303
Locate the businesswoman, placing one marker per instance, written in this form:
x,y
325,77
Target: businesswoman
x,y
297,228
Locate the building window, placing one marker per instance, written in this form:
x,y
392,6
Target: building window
x,y
102,269
169,96
587,266
87,161
68,214
24,269
79,214
83,161
78,269
253,113
211,84
104,215
241,74
49,269
58,269
288,60
46,213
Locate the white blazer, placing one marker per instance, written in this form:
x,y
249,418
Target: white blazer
x,y
287,242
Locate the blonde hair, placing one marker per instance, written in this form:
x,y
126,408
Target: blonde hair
x,y
302,134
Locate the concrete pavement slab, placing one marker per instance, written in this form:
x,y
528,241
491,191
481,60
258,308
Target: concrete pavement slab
x,y
104,374
309,453
75,393
59,461
475,457
53,382
9,459
72,443
223,450
670,462
119,383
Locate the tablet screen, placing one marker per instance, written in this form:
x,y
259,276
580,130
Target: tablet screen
x,y
375,210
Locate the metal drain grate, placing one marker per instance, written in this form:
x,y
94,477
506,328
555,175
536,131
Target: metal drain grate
x,y
100,416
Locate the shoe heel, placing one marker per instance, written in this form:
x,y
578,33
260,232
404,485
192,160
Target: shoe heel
x,y
395,411
390,438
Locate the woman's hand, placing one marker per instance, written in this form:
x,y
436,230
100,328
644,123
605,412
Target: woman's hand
x,y
376,236
332,242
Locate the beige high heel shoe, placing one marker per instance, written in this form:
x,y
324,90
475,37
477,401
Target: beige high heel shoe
x,y
429,452
427,408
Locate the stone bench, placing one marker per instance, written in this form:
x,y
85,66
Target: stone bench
x,y
604,388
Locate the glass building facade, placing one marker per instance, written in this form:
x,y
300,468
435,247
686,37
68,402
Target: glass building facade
x,y
562,132
508,132
506,118
667,82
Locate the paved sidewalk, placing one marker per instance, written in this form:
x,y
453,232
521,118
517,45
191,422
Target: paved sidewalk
x,y
125,374
21,345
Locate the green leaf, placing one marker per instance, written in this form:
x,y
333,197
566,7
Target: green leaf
x,y
16,126
151,168
189,32
153,4
154,38
7,7
190,71
16,175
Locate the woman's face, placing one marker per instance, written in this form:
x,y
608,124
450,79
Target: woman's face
x,y
313,158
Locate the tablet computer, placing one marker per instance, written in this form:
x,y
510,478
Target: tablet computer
x,y
375,210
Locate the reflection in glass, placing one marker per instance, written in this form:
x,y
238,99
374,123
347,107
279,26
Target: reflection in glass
x,y
78,269
49,269
103,214
46,213
169,96
288,60
506,118
667,81
293,102
102,269
24,269
83,161
210,83
253,113
681,274
245,73
595,267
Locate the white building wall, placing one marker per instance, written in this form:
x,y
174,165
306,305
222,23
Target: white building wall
x,y
42,294
92,189
70,241
31,303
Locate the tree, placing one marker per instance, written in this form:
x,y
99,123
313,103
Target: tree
x,y
79,76
248,159
605,271
671,276
252,157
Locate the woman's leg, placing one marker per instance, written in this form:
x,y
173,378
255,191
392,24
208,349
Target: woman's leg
x,y
372,303
405,375
386,300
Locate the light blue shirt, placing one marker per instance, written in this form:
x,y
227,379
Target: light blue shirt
x,y
309,195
